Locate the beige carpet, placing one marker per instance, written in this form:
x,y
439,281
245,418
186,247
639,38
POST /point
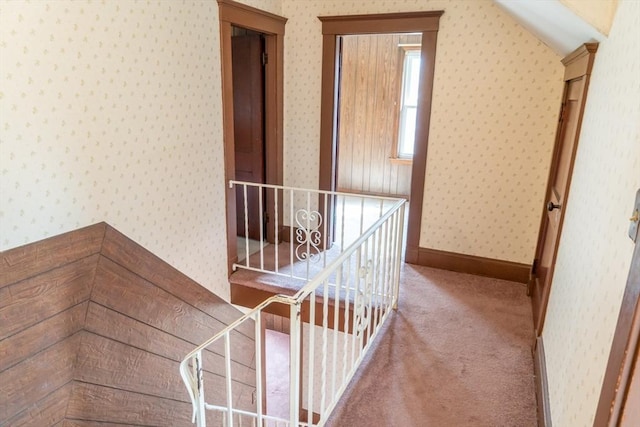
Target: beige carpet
x,y
457,353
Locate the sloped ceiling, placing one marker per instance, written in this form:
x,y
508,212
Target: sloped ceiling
x,y
553,23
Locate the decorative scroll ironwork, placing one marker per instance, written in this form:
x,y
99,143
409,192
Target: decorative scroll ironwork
x,y
362,309
308,235
363,278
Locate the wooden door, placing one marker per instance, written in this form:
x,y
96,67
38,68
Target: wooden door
x,y
248,126
578,67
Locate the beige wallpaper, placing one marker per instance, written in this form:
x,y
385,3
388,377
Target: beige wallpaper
x,y
111,111
496,100
272,6
598,13
595,252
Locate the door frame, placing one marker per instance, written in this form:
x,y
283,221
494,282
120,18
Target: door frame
x,y
624,349
272,27
426,23
578,64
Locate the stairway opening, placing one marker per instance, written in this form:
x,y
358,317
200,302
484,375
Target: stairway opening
x,y
277,373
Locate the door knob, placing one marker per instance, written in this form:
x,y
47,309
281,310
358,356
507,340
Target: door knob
x,y
551,206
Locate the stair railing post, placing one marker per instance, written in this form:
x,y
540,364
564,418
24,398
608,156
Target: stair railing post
x,y
201,417
294,364
259,382
398,257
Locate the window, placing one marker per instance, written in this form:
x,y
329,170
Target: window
x,y
427,24
408,103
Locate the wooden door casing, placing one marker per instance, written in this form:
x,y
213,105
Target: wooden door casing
x,y
248,127
426,23
577,72
558,189
620,392
272,27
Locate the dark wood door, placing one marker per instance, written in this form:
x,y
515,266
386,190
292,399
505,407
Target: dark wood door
x,y
248,127
559,182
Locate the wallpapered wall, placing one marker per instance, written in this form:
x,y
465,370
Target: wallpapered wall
x,y
495,105
111,111
595,252
598,13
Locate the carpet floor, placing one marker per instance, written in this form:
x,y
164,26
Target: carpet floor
x,y
456,353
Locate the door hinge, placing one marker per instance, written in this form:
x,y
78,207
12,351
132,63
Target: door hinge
x,y
266,217
563,112
265,58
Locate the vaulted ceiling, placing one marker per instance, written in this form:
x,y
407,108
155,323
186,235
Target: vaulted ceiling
x,y
563,25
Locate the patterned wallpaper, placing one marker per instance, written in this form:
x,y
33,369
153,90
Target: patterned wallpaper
x,y
598,13
595,252
272,6
111,111
496,100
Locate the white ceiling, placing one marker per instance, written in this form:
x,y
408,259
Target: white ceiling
x,y
553,23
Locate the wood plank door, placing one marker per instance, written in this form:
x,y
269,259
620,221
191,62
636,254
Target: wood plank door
x,y
567,135
248,126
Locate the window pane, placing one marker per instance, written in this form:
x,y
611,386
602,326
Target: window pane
x,y
409,102
407,132
411,78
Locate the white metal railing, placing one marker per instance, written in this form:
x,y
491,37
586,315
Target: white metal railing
x,y
334,317
319,225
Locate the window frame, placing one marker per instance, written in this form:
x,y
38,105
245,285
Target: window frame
x,y
403,51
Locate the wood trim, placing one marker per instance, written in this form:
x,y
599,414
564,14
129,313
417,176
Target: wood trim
x,y
304,416
419,168
404,22
542,385
251,18
580,61
272,26
578,64
623,348
332,26
402,52
399,160
461,263
328,104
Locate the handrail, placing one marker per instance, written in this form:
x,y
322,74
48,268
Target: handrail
x,y
326,272
283,299
365,273
232,182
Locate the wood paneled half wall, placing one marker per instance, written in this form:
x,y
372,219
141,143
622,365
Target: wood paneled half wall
x,y
92,330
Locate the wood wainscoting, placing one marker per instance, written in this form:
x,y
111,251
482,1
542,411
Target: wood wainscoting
x,y
461,263
370,87
93,327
